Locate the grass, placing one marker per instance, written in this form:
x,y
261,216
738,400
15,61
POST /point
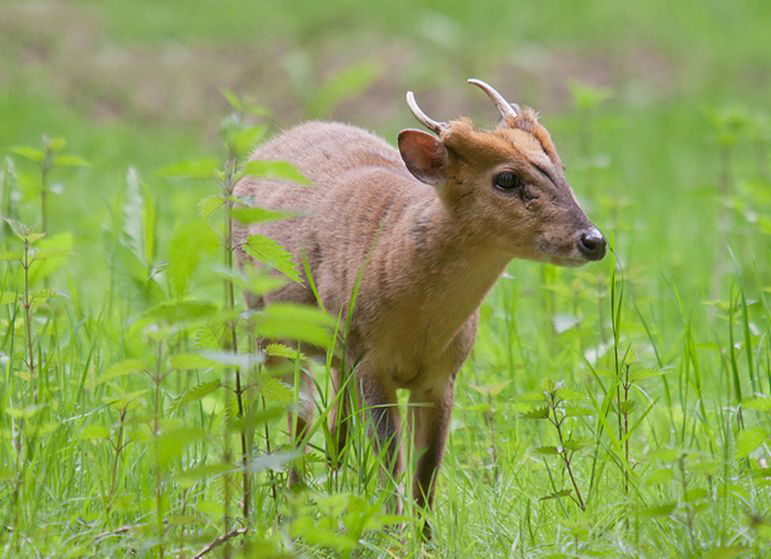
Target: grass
x,y
620,409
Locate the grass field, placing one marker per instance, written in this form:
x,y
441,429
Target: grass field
x,y
618,410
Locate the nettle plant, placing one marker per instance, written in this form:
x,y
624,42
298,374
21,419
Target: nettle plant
x,y
186,395
30,258
217,343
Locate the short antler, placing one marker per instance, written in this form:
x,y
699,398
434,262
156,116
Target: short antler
x,y
507,110
422,117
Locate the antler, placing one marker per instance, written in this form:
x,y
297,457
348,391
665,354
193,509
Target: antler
x,y
422,117
507,110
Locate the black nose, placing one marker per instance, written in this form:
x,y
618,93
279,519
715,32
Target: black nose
x,y
591,243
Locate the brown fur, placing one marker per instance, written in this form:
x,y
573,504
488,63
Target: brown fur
x,y
428,254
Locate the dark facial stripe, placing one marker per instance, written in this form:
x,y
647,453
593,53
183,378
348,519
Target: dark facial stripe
x,y
545,172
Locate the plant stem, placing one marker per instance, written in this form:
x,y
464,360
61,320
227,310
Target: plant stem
x,y
688,512
557,422
118,449
28,321
157,431
230,172
626,440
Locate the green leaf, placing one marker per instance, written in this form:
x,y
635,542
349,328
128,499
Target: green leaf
x,y
119,369
288,321
94,432
175,312
187,244
274,170
266,250
750,439
269,415
148,224
133,207
728,552
568,394
232,99
658,510
243,140
199,392
8,297
205,168
706,467
69,160
696,494
188,478
25,412
762,404
578,411
491,390
665,455
661,475
246,216
282,350
316,533
573,445
170,445
6,474
209,204
10,255
257,282
636,376
52,254
28,152
57,143
40,296
538,413
627,406
18,228
275,391
187,361
561,493
761,473
546,450
533,396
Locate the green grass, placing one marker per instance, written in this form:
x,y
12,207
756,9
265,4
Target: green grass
x,y
121,431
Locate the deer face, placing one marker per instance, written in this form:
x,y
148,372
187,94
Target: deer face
x,y
506,186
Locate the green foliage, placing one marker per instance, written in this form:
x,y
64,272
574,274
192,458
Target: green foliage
x,y
141,412
266,250
188,244
273,170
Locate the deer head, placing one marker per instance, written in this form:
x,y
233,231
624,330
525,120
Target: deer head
x,y
506,186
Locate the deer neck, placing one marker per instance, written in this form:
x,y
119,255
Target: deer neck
x,y
450,266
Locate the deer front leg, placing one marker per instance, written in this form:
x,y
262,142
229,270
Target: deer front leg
x,y
430,414
379,398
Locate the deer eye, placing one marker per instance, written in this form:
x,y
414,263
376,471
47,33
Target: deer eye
x,y
507,181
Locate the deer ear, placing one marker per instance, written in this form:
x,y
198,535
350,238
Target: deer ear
x,y
424,155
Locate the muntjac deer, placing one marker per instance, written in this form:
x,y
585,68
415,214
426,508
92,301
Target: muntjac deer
x,y
426,230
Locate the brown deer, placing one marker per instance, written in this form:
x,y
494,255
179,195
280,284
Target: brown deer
x,y
426,230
